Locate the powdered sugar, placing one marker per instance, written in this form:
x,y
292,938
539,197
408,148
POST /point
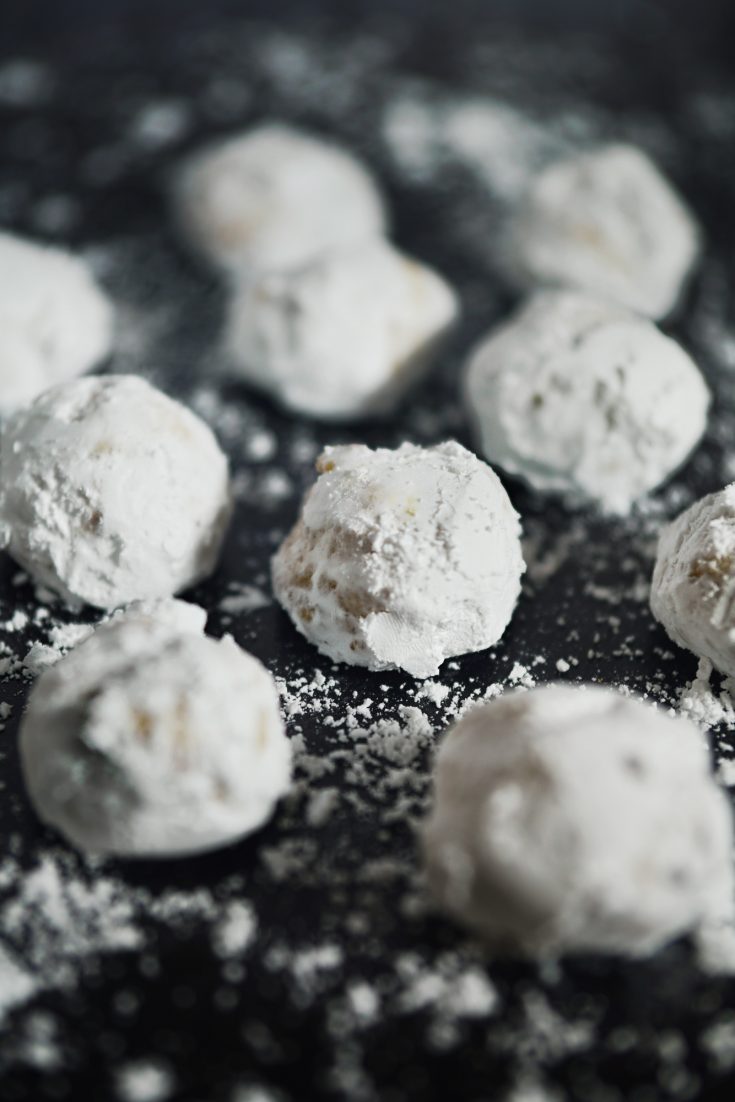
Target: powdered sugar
x,y
513,795
344,336
64,511
387,544
580,1027
559,396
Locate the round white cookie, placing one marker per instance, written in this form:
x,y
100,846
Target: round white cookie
x,y
342,336
575,820
401,559
693,588
112,492
605,221
151,740
274,198
55,322
584,399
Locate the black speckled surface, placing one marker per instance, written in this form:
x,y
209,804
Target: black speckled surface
x,y
658,74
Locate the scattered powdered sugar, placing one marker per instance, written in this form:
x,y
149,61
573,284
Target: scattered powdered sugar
x,y
144,1081
234,930
256,1094
364,954
433,692
61,639
24,82
160,124
501,145
16,985
529,1089
706,707
243,598
59,915
718,1041
450,989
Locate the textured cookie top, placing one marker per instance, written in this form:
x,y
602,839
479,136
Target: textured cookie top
x,y
342,336
110,491
585,399
55,322
606,221
275,197
402,558
693,588
150,738
573,818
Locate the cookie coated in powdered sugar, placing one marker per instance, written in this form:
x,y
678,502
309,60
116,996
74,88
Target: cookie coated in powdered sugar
x,y
342,336
151,739
55,321
274,198
401,559
573,819
585,399
110,492
605,221
693,587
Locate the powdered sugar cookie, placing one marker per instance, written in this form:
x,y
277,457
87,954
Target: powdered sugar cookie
x,y
275,198
578,820
342,336
111,492
586,400
55,322
151,739
401,559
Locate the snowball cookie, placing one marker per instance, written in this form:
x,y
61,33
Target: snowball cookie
x,y
55,322
606,221
581,398
401,558
275,197
575,819
694,579
110,491
343,336
150,739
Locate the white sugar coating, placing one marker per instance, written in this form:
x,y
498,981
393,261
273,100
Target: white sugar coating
x,y
273,198
55,322
401,559
576,819
605,221
111,492
178,616
342,336
151,739
694,579
585,399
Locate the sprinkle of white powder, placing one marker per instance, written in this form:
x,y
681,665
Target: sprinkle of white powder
x,y
433,691
144,1081
24,83
364,1001
705,707
235,930
16,985
374,756
718,1041
160,124
243,599
321,805
520,675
